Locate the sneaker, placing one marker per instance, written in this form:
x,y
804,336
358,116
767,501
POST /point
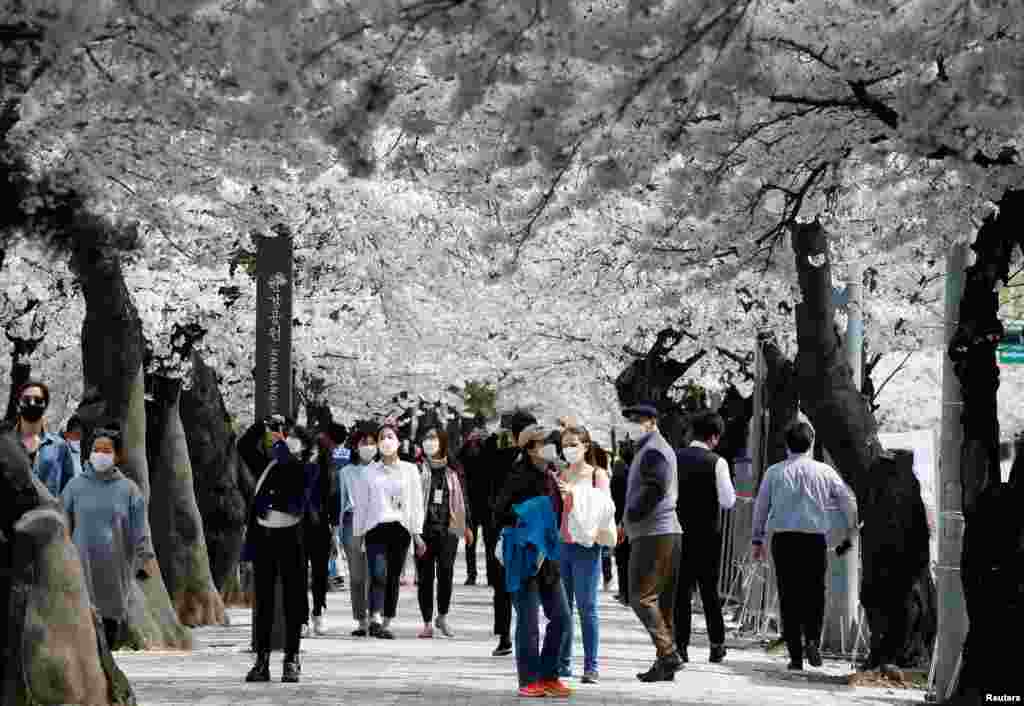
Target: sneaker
x,y
359,632
375,629
305,629
556,688
532,691
589,678
503,649
318,625
427,632
795,666
718,654
813,654
441,623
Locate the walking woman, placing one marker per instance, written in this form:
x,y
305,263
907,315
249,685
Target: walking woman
x,y
447,520
108,526
588,526
273,542
388,515
364,444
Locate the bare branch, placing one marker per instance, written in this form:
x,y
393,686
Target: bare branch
x,y
891,375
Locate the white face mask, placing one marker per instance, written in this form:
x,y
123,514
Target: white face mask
x,y
101,461
366,453
573,453
430,447
389,447
294,445
550,453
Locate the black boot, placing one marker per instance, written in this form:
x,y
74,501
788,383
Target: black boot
x,y
260,671
717,654
813,654
504,647
663,669
292,669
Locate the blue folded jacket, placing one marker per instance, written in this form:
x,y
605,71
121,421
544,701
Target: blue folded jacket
x,y
531,542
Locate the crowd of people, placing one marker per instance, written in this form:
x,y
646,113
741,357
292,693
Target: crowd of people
x,y
551,505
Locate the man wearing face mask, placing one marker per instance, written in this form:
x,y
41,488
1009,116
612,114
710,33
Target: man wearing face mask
x,y
655,536
274,540
49,454
73,438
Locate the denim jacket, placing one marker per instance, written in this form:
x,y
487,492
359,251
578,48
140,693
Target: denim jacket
x,y
54,466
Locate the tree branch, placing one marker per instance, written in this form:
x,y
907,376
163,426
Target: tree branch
x,y
891,375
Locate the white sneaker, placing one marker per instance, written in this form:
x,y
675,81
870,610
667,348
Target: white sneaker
x,y
441,623
305,629
318,625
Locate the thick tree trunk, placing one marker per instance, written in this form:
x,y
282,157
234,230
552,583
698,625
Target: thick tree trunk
x,y
651,377
21,372
112,352
894,541
178,536
223,484
51,644
992,564
780,394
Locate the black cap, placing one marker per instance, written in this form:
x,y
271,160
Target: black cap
x,y
641,409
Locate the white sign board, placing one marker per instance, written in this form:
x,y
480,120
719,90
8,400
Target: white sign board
x,y
923,443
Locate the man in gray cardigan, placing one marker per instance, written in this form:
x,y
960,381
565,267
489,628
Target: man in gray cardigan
x,y
655,537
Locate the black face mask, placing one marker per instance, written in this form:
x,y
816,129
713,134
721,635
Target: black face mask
x,y
32,412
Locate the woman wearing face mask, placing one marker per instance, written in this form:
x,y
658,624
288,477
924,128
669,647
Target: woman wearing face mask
x,y
48,452
364,444
108,526
446,521
388,514
274,542
588,525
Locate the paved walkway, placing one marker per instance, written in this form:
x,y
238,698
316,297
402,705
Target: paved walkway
x,y
339,669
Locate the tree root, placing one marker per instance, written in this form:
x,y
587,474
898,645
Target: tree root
x,y
195,609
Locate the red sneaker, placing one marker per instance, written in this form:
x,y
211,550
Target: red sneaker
x,y
556,688
533,691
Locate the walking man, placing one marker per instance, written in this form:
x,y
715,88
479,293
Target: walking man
x,y
655,537
705,488
792,502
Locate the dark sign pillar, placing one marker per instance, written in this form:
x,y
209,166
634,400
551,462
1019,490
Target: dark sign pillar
x,y
273,356
274,323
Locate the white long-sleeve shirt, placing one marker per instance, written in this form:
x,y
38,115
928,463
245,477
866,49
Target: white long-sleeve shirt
x,y
387,493
723,479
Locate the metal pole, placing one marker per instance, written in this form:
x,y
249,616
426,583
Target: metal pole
x,y
840,629
952,627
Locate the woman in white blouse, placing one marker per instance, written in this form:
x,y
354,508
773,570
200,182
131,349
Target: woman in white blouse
x,y
388,514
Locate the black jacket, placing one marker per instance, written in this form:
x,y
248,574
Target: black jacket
x,y
523,482
283,490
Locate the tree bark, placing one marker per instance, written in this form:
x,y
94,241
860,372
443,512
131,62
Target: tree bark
x,y
993,541
895,557
21,373
651,377
223,484
112,353
178,536
50,654
780,392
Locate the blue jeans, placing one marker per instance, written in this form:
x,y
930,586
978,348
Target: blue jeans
x,y
535,664
581,574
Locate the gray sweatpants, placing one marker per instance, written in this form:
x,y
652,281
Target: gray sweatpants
x,y
358,571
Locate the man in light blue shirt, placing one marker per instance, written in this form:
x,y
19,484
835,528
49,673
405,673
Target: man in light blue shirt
x,y
793,503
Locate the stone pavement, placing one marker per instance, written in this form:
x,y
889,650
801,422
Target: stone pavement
x,y
339,669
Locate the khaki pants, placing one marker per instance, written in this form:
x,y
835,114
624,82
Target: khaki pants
x,y
653,571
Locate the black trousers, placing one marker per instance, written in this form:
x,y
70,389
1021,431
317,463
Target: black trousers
x,y
111,631
496,578
439,561
317,541
479,512
387,547
700,568
280,553
800,564
622,567
606,564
